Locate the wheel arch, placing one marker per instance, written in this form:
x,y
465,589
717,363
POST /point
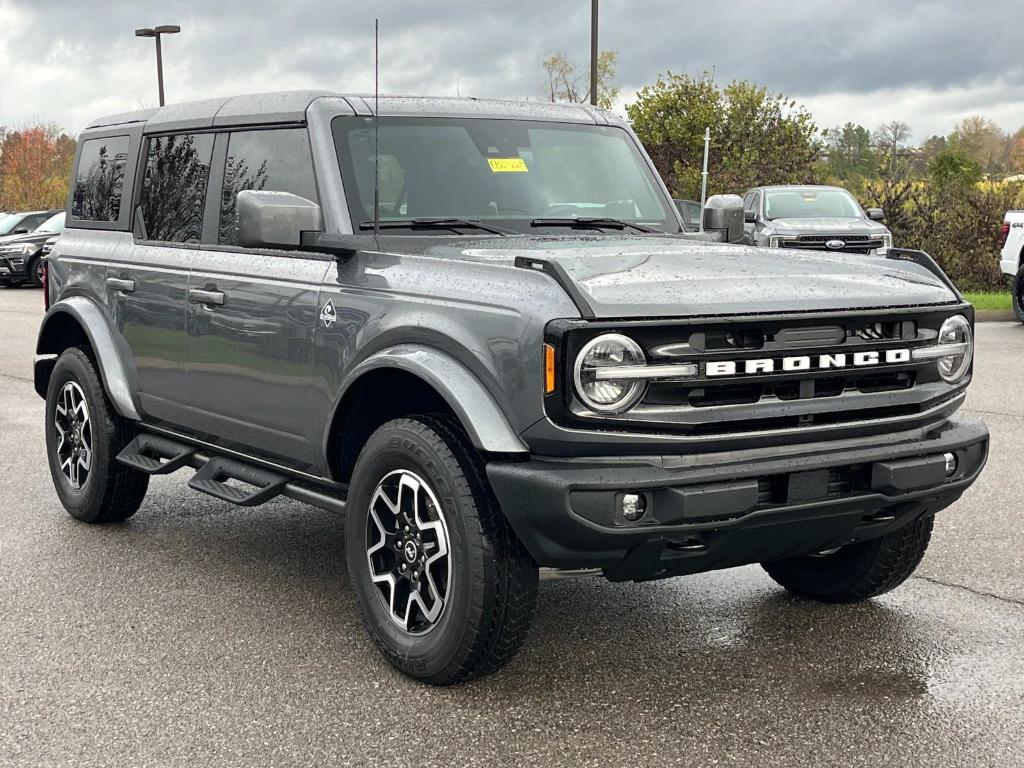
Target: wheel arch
x,y
408,379
74,322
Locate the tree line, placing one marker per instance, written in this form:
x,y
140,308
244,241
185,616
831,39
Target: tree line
x,y
945,195
35,167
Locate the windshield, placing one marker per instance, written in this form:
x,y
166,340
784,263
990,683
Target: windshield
x,y
54,224
811,204
509,173
10,222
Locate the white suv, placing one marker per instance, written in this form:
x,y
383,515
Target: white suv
x,y
1011,259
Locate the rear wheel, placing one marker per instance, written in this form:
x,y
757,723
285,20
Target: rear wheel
x,y
859,571
444,586
1018,295
83,437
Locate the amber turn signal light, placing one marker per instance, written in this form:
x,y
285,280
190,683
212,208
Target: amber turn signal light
x,y
549,369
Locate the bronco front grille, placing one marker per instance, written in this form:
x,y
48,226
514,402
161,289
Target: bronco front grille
x,y
739,401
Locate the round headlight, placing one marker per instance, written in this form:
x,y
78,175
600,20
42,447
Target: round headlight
x,y
956,331
609,395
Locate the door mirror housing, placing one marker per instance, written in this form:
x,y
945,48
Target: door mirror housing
x,y
875,214
275,219
20,231
750,216
725,214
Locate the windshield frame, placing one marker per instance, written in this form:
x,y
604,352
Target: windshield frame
x,y
340,125
816,190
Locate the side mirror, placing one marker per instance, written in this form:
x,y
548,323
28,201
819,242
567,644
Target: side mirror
x,y
20,231
275,219
750,216
725,214
875,214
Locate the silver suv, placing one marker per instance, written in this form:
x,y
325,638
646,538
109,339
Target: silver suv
x,y
477,330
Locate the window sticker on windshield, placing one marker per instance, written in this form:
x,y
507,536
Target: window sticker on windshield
x,y
507,165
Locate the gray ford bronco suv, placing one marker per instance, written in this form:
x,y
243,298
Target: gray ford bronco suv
x,y
477,330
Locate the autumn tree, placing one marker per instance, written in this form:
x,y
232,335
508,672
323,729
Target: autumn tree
x,y
757,137
35,166
890,138
568,82
983,141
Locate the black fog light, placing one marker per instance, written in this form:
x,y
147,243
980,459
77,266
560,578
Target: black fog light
x,y
633,506
951,463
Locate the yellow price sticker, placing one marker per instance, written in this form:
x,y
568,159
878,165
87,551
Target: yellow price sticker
x,y
507,165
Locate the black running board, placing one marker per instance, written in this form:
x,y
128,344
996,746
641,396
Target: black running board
x,y
252,486
156,455
229,479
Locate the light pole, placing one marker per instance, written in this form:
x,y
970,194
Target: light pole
x,y
165,29
593,52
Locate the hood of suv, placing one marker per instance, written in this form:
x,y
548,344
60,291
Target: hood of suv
x,y
826,226
631,277
31,237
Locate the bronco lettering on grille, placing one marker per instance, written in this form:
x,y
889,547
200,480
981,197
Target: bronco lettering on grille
x,y
805,363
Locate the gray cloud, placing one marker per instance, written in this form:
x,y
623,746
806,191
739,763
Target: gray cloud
x,y
927,63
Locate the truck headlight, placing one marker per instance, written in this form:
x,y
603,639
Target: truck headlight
x,y
953,350
886,244
603,394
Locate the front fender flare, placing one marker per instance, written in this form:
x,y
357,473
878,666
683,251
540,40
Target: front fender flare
x,y
483,420
93,323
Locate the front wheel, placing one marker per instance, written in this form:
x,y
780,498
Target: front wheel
x,y
859,571
444,586
35,272
1018,295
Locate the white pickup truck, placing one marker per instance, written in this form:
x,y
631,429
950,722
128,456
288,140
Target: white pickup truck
x,y
1011,260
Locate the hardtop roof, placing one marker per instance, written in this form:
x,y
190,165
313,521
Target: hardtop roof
x,y
290,107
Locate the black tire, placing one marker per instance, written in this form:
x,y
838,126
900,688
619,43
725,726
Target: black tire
x,y
489,602
35,275
107,491
859,571
1018,295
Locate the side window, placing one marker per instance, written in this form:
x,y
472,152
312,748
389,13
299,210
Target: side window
x,y
755,205
748,201
174,187
99,179
272,160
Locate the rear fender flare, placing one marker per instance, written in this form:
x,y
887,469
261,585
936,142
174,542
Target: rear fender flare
x,y
106,351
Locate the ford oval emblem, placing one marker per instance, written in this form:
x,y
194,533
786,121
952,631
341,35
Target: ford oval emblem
x,y
835,245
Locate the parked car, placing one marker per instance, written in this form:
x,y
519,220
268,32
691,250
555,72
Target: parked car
x,y
691,212
814,218
496,368
21,255
1011,258
23,223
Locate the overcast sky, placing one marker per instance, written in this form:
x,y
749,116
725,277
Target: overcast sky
x,y
926,63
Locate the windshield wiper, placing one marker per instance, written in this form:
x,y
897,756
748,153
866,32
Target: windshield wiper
x,y
590,222
441,223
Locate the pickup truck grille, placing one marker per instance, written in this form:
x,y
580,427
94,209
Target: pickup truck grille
x,y
862,244
812,400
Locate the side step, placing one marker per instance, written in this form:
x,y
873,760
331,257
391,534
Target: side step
x,y
156,455
254,487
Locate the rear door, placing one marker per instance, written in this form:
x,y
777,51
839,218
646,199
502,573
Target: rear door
x,y
148,279
252,312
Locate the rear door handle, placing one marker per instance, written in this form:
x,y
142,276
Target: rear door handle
x,y
120,284
210,298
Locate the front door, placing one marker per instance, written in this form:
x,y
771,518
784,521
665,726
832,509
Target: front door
x,y
252,313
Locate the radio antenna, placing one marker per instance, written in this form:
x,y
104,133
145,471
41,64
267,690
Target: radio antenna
x,y
376,128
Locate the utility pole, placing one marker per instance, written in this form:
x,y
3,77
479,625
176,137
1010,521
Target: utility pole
x,y
704,176
156,32
593,52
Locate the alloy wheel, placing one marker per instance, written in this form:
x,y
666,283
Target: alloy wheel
x,y
74,435
408,551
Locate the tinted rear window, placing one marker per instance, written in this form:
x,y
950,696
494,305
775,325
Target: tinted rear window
x,y
99,180
174,187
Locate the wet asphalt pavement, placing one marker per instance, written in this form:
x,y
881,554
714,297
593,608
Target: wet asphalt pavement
x,y
202,634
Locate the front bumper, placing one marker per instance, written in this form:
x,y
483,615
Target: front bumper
x,y
708,512
13,268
